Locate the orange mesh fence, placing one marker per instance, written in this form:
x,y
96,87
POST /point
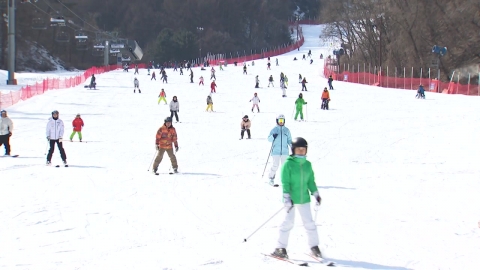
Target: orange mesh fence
x,y
9,98
399,82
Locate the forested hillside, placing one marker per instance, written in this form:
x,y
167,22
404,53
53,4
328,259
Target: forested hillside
x,y
165,29
402,33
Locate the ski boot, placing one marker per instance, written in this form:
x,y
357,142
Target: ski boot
x,y
175,170
49,163
280,253
316,252
272,181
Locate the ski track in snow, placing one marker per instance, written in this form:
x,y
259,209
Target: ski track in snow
x,y
399,177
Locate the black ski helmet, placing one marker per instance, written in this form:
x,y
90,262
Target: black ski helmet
x,y
168,119
298,142
54,112
300,95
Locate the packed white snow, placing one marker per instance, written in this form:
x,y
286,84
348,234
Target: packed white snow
x,y
399,177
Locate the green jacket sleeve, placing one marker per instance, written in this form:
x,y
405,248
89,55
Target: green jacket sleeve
x,y
286,178
312,186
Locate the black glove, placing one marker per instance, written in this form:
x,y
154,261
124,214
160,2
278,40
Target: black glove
x,y
305,103
317,197
10,134
176,148
275,135
157,147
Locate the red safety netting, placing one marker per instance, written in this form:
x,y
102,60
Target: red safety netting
x,y
378,79
28,91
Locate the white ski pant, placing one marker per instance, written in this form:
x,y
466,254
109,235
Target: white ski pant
x,y
275,164
308,223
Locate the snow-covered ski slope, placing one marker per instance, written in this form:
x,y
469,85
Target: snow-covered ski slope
x,y
399,177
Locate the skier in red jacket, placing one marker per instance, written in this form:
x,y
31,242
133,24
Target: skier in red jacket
x,y
212,87
77,124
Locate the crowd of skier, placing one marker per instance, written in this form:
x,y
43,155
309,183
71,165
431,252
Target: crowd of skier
x,y
287,153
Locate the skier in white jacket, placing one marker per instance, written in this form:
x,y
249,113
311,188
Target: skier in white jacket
x,y
174,108
6,128
255,101
55,129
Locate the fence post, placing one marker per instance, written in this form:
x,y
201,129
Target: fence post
x,y
364,66
468,87
369,73
387,76
421,75
395,77
429,78
411,80
404,78
358,73
343,67
458,82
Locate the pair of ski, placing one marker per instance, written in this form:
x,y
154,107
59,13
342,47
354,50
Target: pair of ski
x,y
300,262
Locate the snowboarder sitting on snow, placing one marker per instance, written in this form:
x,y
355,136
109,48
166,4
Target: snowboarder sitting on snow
x,y
165,137
245,126
209,103
77,124
420,92
255,101
325,99
93,84
298,182
162,96
299,106
295,59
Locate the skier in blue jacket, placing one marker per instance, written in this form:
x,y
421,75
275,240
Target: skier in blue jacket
x,y
281,139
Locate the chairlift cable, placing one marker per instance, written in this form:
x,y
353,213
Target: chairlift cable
x,y
61,3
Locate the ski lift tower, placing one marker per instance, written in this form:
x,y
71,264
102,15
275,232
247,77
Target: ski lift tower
x,y
11,42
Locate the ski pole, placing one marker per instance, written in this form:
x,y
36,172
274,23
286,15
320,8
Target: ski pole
x,y
46,147
245,240
156,151
269,153
293,111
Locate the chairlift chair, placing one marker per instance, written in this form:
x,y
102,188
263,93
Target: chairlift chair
x,y
39,24
98,49
126,59
62,36
57,21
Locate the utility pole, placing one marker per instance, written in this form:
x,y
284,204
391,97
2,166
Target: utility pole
x,y
11,43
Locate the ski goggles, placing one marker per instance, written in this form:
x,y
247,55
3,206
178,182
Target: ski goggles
x,y
281,120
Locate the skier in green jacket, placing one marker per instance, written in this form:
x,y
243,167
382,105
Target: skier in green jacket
x,y
299,106
298,181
